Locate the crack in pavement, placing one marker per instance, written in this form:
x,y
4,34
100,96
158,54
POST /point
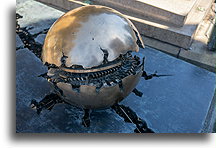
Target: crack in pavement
x,y
50,100
28,39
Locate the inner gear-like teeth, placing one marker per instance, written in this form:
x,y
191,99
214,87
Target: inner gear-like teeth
x,y
109,77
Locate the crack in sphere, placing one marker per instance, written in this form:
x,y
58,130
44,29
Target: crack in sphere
x,y
91,53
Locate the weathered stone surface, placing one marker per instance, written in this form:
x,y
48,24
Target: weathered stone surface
x,y
28,68
63,118
210,122
179,36
173,12
19,43
202,58
207,61
164,47
35,14
174,104
40,38
20,1
214,7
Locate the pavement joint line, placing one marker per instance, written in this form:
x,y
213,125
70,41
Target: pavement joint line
x,y
177,56
209,115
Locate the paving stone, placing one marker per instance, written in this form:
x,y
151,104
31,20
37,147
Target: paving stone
x,y
63,118
211,118
19,43
20,1
36,16
40,38
174,104
202,58
28,68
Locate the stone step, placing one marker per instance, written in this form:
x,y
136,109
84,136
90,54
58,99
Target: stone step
x,y
199,53
170,12
178,36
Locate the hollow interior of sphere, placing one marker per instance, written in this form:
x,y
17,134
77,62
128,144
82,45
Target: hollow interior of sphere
x,y
98,87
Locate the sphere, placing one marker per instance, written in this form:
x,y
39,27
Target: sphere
x,y
89,51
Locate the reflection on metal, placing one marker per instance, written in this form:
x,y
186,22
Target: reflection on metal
x,y
81,34
81,3
89,54
101,88
91,69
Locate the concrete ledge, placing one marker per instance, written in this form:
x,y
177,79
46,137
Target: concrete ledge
x,y
206,61
161,46
181,37
202,60
146,9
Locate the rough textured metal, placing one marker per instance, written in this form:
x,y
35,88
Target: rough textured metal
x,y
108,96
89,51
81,34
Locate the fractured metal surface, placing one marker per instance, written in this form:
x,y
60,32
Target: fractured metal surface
x,y
98,89
88,97
91,48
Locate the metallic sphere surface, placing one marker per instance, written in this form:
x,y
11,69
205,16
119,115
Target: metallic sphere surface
x,y
80,34
91,49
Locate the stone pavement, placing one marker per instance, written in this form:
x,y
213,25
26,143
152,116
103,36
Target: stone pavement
x,y
173,104
36,16
181,103
19,43
63,118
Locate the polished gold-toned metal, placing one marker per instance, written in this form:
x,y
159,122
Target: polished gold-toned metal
x,y
83,33
92,37
90,70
